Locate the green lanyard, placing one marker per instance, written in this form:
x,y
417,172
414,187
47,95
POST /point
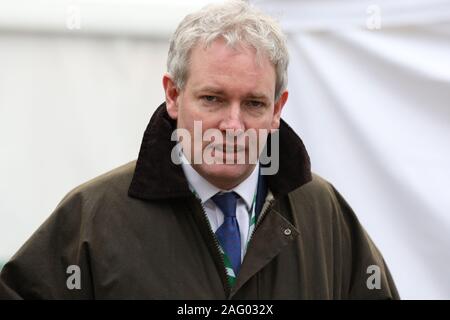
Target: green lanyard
x,y
251,227
252,221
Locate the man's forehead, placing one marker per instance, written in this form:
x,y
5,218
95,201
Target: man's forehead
x,y
210,72
217,49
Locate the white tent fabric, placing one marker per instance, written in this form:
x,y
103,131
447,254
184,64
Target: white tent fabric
x,y
370,95
74,102
70,109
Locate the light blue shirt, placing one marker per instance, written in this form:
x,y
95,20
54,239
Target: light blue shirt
x,y
205,190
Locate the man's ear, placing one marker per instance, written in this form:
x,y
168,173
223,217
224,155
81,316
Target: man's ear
x,y
277,109
172,94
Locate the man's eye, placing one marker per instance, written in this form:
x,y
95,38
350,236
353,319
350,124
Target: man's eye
x,y
255,104
210,99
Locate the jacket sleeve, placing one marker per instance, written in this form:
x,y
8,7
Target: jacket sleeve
x,y
54,262
369,276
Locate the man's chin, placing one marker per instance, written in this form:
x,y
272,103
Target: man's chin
x,y
225,176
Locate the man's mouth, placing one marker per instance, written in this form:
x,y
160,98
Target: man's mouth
x,y
228,148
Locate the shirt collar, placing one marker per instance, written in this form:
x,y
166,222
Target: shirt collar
x,y
205,190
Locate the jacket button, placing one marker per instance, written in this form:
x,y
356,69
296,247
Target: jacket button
x,y
287,232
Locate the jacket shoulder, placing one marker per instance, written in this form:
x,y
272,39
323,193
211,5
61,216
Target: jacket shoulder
x,y
64,240
100,194
319,201
110,184
319,192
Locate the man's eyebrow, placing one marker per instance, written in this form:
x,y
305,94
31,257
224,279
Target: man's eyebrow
x,y
211,89
257,96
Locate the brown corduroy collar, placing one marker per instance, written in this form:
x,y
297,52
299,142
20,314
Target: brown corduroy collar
x,y
157,177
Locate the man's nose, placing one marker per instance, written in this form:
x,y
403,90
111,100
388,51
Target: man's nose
x,y
233,118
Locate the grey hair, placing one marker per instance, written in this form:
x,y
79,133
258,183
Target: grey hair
x,y
237,23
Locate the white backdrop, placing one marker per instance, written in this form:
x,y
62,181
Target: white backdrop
x,y
372,106
79,81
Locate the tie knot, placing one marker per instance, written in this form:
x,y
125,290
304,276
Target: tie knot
x,y
226,202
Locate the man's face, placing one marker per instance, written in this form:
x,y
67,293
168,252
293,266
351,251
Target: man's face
x,y
226,89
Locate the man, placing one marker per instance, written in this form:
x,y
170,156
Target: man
x,y
190,221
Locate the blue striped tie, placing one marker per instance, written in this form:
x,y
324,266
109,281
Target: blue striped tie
x,y
228,233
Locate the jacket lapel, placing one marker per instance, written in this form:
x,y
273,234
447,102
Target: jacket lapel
x,y
272,236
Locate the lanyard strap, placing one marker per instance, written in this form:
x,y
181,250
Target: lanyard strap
x,y
251,227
